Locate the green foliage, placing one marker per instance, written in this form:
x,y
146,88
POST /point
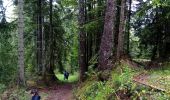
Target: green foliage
x,y
92,64
98,90
69,2
8,54
150,22
69,23
95,90
16,93
19,94
137,50
2,88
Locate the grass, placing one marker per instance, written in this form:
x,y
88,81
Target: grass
x,y
72,77
160,77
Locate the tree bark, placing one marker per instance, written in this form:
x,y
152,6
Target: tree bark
x,y
106,46
100,14
117,22
52,40
89,37
128,27
82,42
39,37
21,80
51,36
50,75
120,46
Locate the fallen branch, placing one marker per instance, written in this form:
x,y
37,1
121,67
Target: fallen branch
x,y
149,85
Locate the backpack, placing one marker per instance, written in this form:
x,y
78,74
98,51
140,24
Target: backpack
x,y
36,97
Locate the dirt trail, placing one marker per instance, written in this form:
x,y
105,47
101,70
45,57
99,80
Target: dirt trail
x,y
59,92
141,78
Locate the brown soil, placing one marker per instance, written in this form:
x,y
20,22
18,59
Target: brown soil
x,y
59,92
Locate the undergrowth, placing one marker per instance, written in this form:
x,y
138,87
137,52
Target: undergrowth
x,y
119,86
19,94
15,94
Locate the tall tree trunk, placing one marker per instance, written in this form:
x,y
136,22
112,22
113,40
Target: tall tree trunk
x,y
43,51
106,46
51,35
120,46
89,34
128,27
155,48
86,19
117,22
100,14
82,42
21,43
50,76
154,51
39,37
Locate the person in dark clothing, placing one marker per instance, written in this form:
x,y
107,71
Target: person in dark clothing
x,y
35,95
66,75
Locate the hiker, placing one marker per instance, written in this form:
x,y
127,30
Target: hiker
x,y
66,75
35,95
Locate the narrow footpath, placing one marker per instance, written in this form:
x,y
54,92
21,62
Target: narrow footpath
x,y
58,92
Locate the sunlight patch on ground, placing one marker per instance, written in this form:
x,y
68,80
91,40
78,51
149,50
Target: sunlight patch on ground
x,y
160,81
72,77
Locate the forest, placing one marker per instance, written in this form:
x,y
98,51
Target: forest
x,y
85,49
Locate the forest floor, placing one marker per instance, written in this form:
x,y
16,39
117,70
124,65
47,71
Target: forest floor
x,y
156,81
155,78
58,92
62,90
